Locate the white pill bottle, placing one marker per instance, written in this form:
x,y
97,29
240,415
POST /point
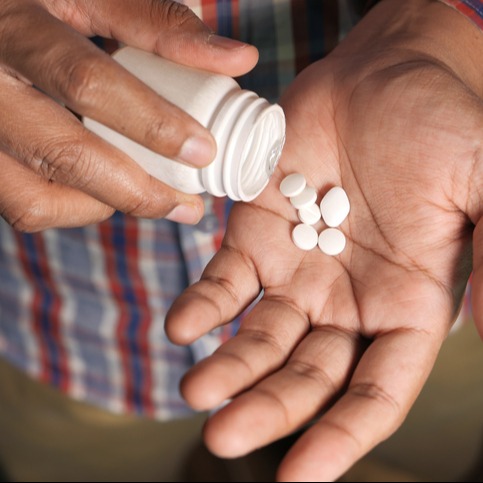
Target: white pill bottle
x,y
249,131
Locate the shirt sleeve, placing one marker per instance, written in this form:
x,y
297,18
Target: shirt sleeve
x,y
473,9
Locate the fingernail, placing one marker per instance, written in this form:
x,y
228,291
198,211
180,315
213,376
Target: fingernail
x,y
185,214
225,42
197,151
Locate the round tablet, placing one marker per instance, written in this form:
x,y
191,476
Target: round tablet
x,y
335,207
332,241
310,215
305,237
305,199
293,185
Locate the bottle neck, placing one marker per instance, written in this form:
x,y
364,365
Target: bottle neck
x,y
250,134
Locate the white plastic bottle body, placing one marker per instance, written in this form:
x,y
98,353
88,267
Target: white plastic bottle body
x,y
249,131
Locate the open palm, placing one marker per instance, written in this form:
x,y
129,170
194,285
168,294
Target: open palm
x,y
344,343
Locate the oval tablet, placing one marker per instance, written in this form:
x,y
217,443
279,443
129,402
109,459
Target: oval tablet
x,y
293,185
335,207
310,215
305,199
305,237
332,241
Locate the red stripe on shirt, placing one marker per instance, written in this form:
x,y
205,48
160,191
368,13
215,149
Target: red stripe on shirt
x,y
131,255
235,12
300,34
209,13
117,291
35,307
219,209
137,283
46,360
331,25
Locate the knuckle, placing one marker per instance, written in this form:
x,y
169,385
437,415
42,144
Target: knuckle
x,y
139,204
173,15
146,202
67,162
379,395
80,81
162,129
29,217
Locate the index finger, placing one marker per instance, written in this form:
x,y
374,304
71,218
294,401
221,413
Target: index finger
x,y
228,285
385,385
167,28
53,144
71,69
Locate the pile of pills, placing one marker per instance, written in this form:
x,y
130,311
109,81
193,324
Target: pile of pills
x,y
333,210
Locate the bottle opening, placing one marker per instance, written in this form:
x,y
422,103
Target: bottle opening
x,y
262,152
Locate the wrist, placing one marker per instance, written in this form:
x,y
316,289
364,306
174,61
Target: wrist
x,y
430,30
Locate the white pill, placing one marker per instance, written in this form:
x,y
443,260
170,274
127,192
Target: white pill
x,y
293,185
305,199
332,241
305,237
335,207
310,215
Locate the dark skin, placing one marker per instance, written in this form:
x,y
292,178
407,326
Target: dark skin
x,y
54,172
395,116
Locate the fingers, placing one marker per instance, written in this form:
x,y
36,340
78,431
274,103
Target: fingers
x,y
386,382
167,28
228,285
316,372
54,145
69,68
266,338
30,203
384,387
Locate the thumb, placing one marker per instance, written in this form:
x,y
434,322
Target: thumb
x,y
477,277
167,28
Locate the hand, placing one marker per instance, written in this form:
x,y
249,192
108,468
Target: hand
x,y
55,173
399,124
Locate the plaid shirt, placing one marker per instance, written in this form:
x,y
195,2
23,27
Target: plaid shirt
x,y
83,309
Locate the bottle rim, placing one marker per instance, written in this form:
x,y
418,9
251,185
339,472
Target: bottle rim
x,y
262,152
250,135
